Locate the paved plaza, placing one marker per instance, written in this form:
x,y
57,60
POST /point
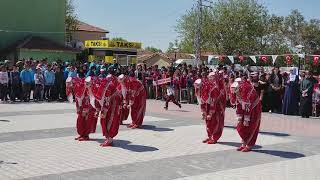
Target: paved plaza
x,y
37,142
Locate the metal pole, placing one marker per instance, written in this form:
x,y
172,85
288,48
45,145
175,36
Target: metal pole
x,y
175,56
197,43
299,64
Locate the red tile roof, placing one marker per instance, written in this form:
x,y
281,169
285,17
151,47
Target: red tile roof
x,y
82,26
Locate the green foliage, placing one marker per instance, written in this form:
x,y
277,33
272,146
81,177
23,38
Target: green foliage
x,y
119,39
71,19
153,49
245,27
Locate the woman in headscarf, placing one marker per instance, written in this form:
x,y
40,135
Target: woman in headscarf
x,y
291,96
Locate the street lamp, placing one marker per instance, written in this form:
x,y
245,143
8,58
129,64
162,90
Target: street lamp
x,y
299,51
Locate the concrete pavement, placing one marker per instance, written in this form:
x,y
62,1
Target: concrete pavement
x,y
36,142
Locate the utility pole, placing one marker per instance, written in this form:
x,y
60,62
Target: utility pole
x,y
197,42
198,35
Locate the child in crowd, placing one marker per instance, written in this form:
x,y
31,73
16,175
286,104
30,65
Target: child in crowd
x,y
170,97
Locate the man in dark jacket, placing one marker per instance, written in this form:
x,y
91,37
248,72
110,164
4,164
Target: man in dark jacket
x,y
59,84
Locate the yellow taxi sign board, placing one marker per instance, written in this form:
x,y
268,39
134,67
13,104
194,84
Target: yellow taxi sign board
x,y
97,44
112,44
108,59
124,44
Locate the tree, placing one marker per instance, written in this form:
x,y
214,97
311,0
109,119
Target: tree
x,y
230,26
71,19
153,49
119,39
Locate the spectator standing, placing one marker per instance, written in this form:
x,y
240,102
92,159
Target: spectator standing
x,y
49,78
72,73
306,90
59,84
4,80
91,72
38,82
15,84
26,80
275,91
291,96
190,81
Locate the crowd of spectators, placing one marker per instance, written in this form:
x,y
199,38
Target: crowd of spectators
x,y
280,92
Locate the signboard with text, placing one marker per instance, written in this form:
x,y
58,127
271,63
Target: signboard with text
x,y
161,81
112,44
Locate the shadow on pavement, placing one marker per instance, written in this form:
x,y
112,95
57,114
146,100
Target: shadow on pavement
x,y
123,144
132,147
179,110
266,133
235,144
4,120
282,154
154,128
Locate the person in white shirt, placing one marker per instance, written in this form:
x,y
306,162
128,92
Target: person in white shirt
x,y
4,80
170,97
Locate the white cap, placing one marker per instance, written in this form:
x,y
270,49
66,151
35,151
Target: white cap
x,y
211,74
121,76
234,85
88,79
198,83
238,80
69,80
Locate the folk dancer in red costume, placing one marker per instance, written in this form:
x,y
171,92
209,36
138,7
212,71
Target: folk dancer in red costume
x,y
207,92
96,94
248,110
84,109
122,88
136,95
111,110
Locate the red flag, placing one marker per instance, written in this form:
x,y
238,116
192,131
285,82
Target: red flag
x,y
221,58
315,60
241,58
288,59
264,59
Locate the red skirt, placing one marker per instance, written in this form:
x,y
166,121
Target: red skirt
x,y
250,133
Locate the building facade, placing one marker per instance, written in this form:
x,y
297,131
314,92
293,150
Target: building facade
x,y
21,19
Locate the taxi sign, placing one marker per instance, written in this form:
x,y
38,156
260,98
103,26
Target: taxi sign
x,y
112,44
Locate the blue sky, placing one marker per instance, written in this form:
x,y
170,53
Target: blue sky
x,y
152,22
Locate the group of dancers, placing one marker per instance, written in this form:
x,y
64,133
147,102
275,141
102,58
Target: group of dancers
x,y
112,98
212,97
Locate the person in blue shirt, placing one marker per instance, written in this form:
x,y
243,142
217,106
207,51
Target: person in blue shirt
x,y
49,78
27,79
91,72
72,73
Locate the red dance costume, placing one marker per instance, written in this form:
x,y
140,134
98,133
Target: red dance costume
x,y
212,109
134,92
248,113
111,110
85,111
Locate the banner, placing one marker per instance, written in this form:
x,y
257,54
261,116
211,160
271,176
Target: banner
x,y
231,58
112,44
97,44
274,58
254,59
161,81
